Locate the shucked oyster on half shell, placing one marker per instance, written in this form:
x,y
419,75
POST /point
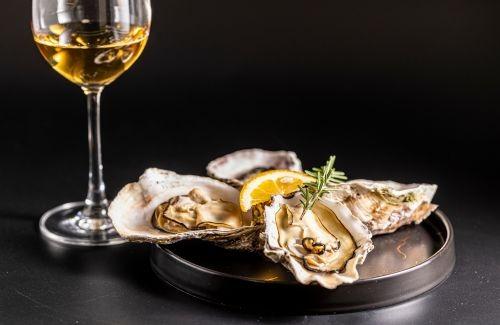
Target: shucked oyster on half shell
x,y
385,206
324,246
165,207
236,167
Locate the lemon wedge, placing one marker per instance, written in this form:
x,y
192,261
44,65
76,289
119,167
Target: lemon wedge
x,y
261,187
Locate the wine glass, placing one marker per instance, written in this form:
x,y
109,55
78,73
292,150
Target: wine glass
x,y
90,43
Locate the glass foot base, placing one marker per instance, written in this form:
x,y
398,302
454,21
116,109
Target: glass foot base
x,y
66,224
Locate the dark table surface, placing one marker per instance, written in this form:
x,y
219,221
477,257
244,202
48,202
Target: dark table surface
x,y
46,283
408,91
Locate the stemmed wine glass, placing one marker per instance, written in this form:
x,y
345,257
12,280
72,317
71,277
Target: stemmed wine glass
x,y
90,43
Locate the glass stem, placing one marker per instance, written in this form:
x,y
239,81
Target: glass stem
x,y
96,204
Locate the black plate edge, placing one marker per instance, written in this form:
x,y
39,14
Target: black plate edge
x,y
441,262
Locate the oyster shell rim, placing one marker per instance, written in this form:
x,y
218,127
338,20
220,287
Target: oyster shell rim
x,y
362,239
134,196
243,154
427,192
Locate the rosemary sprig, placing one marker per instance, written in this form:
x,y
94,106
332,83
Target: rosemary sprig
x,y
326,178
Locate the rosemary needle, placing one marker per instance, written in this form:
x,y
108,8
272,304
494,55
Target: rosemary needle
x,y
325,180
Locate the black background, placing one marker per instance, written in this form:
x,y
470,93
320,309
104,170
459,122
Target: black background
x,y
401,90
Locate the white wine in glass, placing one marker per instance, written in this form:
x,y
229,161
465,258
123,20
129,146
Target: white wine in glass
x,y
90,43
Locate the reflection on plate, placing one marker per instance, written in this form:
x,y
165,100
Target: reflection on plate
x,y
424,252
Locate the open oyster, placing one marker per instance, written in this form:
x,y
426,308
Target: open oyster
x,y
164,207
386,206
324,246
236,167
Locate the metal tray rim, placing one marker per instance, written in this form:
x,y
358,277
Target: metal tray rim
x,y
448,240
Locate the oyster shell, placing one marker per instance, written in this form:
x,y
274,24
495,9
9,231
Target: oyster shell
x,y
165,207
324,246
385,206
236,167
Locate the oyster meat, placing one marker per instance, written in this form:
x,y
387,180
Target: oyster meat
x,y
325,245
196,210
236,167
165,207
385,206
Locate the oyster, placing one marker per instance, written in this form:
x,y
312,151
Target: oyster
x,y
323,246
165,207
236,167
386,206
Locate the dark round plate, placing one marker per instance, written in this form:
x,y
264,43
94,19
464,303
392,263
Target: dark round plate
x,y
403,265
